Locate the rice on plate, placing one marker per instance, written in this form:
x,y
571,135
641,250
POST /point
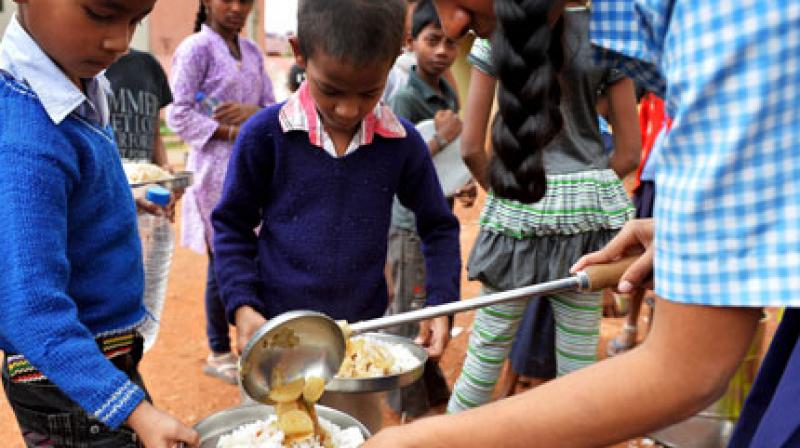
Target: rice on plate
x,y
265,434
367,357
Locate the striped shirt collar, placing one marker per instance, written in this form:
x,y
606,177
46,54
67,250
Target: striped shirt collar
x,y
300,114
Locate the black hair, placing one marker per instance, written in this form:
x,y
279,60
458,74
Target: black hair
x,y
528,55
358,31
201,18
424,14
296,77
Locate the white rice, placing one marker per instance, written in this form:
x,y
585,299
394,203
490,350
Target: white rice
x,y
403,359
265,434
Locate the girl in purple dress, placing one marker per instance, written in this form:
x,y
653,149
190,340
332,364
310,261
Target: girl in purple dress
x,y
228,71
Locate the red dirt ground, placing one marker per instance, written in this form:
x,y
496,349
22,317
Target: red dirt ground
x,y
172,369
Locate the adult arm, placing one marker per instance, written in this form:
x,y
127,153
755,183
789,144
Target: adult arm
x,y
476,119
625,123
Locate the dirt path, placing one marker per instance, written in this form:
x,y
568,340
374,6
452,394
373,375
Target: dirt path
x,y
172,370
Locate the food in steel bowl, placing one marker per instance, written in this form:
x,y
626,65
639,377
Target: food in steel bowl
x,y
267,434
366,357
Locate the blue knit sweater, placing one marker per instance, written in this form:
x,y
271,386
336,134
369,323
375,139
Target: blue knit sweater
x,y
71,263
324,222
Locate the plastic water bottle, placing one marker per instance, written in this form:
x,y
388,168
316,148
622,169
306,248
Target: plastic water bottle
x,y
158,240
207,103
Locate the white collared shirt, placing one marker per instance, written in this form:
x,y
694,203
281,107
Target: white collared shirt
x,y
23,59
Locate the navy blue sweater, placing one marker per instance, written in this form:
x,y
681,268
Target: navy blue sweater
x,y
71,263
324,223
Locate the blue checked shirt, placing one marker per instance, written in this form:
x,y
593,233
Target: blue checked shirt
x,y
728,175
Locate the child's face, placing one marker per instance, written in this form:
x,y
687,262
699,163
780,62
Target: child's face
x,y
435,51
229,15
344,93
83,37
460,16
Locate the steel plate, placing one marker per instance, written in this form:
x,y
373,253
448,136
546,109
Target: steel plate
x,y
217,425
383,383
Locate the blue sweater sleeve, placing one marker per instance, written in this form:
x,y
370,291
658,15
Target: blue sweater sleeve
x,y
39,318
238,213
438,228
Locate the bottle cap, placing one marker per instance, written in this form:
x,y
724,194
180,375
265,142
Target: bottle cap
x,y
157,195
199,96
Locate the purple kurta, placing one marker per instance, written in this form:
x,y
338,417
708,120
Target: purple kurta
x,y
203,63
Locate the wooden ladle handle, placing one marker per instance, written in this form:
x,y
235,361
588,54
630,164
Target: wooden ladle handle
x,y
607,275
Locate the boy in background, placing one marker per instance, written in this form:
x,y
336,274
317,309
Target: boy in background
x,y
139,90
318,174
426,95
72,267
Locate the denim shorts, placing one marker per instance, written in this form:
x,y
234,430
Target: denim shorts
x,y
48,418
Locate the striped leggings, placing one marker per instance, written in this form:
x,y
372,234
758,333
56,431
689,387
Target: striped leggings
x,y
577,323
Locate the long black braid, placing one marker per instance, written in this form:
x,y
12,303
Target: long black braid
x,y
528,55
202,16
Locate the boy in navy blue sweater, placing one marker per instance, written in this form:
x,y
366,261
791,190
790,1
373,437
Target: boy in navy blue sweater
x,y
318,174
72,277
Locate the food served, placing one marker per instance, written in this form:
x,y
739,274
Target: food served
x,y
267,434
296,423
144,172
366,357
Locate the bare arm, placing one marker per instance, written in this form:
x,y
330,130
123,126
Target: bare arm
x,y
683,365
476,118
625,123
159,150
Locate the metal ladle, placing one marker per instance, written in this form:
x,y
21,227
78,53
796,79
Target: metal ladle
x,y
307,343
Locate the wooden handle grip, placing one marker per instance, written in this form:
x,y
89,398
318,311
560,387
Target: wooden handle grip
x,y
607,275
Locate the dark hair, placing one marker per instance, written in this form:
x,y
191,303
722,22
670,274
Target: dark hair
x,y
201,18
358,31
296,77
424,15
528,56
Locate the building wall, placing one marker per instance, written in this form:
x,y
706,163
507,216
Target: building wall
x,y
173,20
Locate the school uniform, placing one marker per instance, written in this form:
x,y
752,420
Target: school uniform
x,y
72,267
728,174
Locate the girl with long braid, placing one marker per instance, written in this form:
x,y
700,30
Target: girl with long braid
x,y
217,63
583,206
723,242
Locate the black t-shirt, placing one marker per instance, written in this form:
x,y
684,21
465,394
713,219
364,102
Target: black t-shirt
x,y
139,90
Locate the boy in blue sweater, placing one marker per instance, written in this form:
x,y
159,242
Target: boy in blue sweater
x,y
72,277
318,173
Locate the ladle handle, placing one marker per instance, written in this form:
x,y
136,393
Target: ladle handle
x,y
607,275
594,278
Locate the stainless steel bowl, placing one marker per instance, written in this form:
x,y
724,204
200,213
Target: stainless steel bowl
x,y
316,349
217,425
383,383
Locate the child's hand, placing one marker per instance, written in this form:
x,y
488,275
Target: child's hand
x,y
234,113
467,194
433,336
157,429
248,321
636,237
447,124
